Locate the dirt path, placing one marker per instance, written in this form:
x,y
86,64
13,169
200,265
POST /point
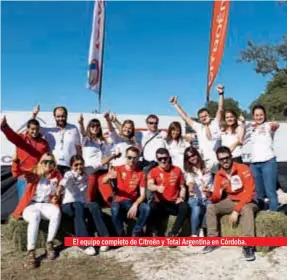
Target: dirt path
x,y
149,263
67,267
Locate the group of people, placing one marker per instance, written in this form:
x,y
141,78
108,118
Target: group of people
x,y
75,171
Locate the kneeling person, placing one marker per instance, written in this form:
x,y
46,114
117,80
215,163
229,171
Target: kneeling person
x,y
130,194
167,182
237,182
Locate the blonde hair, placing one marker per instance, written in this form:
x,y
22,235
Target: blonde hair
x,y
38,169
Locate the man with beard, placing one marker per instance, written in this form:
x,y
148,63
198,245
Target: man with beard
x,y
64,139
234,193
30,146
207,130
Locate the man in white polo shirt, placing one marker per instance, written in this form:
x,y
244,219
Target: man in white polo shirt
x,y
207,130
151,140
64,139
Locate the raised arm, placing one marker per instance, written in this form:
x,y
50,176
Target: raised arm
x,y
116,122
219,113
109,122
81,125
35,112
17,140
173,100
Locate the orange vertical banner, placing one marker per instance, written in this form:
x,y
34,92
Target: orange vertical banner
x,y
217,40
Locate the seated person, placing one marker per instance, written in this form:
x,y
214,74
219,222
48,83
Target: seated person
x,y
75,203
129,197
236,181
167,183
40,201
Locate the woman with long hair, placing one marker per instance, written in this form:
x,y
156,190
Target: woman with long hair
x,y
97,154
176,144
40,201
75,202
232,135
123,139
199,182
263,159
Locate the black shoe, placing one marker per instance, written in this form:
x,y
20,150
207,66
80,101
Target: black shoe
x,y
208,249
248,253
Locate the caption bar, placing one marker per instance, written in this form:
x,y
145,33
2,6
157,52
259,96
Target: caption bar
x,y
175,241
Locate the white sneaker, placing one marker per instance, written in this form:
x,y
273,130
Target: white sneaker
x,y
104,248
90,251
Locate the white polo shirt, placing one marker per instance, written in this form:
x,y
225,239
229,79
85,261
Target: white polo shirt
x,y
151,147
176,150
62,142
200,180
228,139
120,144
208,147
93,152
75,187
46,188
261,142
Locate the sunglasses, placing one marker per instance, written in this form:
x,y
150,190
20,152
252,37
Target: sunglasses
x,y
227,158
48,161
77,164
153,123
131,158
162,159
61,116
94,125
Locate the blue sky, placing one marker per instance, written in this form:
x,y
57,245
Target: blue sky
x,y
153,50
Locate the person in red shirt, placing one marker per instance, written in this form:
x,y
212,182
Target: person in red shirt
x,y
167,183
130,194
234,193
30,147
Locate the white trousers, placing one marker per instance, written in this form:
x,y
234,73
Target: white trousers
x,y
33,215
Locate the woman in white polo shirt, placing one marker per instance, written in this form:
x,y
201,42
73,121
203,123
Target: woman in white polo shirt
x,y
232,135
199,181
263,160
123,139
40,201
176,144
75,202
97,154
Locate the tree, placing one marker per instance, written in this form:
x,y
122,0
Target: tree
x,y
229,103
270,60
275,97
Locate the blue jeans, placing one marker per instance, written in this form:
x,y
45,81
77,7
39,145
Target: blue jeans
x,y
77,211
21,186
119,211
197,217
265,175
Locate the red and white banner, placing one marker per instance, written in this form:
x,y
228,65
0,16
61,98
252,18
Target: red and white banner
x,y
175,241
217,40
96,47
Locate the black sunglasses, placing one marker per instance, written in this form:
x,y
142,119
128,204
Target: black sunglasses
x,y
162,159
78,164
131,158
224,158
94,125
153,123
48,161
